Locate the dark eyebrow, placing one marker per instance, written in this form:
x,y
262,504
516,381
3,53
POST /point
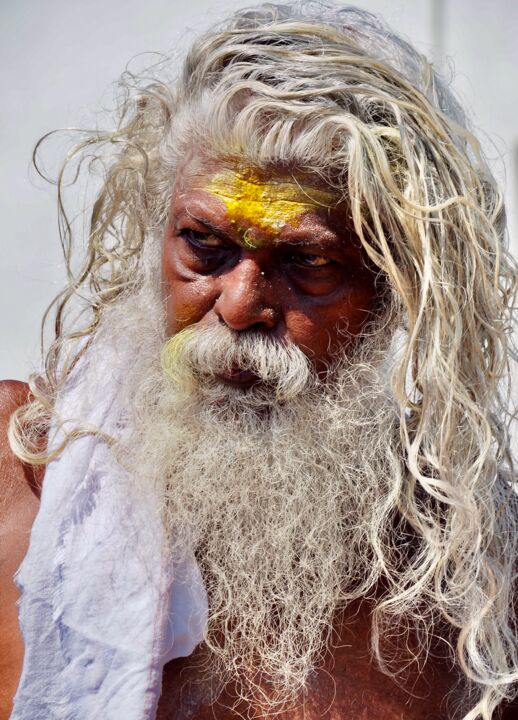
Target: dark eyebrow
x,y
306,241
213,227
297,241
219,230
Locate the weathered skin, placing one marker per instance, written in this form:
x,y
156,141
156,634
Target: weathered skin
x,y
307,281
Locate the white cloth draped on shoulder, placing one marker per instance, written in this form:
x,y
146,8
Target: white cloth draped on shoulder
x,y
103,607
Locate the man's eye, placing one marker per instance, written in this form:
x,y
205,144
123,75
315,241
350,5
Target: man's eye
x,y
203,241
310,261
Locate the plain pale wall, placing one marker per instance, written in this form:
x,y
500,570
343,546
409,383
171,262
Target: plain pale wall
x,y
59,57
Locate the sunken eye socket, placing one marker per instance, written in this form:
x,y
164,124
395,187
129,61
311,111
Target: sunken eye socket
x,y
207,241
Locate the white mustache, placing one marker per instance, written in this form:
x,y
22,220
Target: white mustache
x,y
198,354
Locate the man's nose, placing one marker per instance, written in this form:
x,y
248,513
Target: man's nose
x,y
247,298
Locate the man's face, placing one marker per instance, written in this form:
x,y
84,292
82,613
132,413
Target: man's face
x,y
269,253
281,489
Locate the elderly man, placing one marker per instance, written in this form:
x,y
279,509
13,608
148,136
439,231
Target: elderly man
x,y
278,479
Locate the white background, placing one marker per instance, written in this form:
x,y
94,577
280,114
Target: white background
x,y
58,59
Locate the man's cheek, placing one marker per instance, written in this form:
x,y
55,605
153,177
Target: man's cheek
x,y
180,313
309,335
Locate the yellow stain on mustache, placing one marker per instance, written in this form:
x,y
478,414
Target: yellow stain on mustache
x,y
266,205
170,353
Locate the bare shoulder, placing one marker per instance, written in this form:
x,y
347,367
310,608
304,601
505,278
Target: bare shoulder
x,y
15,478
13,393
18,508
18,498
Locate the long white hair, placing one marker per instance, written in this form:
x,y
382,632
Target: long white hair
x,y
332,91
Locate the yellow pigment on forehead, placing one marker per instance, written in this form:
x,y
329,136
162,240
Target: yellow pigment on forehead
x,y
268,206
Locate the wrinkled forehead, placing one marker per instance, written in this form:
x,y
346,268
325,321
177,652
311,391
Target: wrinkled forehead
x,y
268,198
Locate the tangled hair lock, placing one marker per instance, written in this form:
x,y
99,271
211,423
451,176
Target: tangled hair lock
x,y
331,91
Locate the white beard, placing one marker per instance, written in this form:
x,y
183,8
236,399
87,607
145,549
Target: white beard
x,y
285,496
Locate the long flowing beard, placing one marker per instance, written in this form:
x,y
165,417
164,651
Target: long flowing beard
x,y
285,491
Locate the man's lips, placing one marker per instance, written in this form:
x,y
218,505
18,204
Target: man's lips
x,y
238,378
